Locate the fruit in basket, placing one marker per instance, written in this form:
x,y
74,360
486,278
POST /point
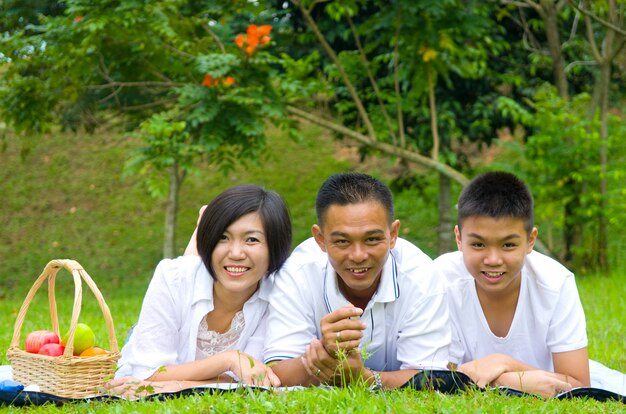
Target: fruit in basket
x,y
54,350
83,338
36,339
93,351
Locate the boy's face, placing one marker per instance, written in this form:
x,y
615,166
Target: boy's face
x,y
494,251
357,239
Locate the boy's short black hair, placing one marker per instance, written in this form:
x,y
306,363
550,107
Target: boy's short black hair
x,y
236,202
352,188
497,195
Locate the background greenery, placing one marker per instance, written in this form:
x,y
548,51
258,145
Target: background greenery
x,y
64,197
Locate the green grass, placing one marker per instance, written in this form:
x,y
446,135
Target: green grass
x,y
64,197
350,400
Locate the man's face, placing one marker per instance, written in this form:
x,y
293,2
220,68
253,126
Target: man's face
x,y
357,239
494,252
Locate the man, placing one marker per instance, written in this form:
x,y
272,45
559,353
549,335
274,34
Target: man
x,y
355,301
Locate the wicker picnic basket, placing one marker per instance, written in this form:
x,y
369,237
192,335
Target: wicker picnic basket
x,y
66,375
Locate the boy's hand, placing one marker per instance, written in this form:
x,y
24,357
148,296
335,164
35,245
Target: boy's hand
x,y
485,370
539,382
339,331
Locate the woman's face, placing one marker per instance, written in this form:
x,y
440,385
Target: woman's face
x,y
241,258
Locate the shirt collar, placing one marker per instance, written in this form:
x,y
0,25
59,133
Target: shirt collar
x,y
388,288
203,286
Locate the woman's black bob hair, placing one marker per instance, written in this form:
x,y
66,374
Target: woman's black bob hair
x,y
236,202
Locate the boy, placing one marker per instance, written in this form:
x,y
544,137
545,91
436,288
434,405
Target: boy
x,y
516,317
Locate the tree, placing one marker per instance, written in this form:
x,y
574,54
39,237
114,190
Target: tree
x,y
604,56
193,79
384,65
556,21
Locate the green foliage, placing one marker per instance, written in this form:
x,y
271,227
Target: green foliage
x,y
147,65
561,164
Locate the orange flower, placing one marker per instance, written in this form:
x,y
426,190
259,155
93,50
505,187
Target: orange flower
x,y
264,30
78,19
239,40
209,81
228,81
250,49
253,31
254,36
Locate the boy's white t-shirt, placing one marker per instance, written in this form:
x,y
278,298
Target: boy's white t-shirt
x,y
549,316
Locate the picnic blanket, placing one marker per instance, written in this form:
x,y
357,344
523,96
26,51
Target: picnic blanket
x,y
444,381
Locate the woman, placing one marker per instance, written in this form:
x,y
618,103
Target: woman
x,y
203,317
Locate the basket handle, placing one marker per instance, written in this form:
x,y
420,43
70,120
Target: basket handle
x,y
49,273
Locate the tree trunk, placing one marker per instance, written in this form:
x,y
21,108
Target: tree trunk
x,y
445,229
573,232
551,20
603,226
171,211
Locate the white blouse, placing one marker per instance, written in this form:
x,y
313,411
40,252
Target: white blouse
x,y
178,299
211,343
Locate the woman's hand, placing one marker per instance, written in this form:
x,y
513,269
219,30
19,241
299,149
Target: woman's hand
x,y
131,388
252,371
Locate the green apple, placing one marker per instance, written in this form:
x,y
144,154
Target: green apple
x,y
83,339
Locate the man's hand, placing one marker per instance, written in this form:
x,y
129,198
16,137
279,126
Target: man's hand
x,y
339,331
539,382
326,369
319,364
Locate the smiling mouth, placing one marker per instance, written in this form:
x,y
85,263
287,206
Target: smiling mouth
x,y
358,270
492,275
236,269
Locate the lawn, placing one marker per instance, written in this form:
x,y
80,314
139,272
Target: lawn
x,y
64,197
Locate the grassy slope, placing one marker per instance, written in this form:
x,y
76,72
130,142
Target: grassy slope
x,y
66,199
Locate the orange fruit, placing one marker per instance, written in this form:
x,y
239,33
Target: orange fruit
x,y
93,351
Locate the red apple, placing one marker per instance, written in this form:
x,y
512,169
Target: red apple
x,y
54,350
36,339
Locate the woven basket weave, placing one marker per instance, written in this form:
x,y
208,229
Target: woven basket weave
x,y
66,375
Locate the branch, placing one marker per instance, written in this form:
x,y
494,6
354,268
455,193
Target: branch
x,y
214,36
603,22
528,35
525,5
560,5
571,65
433,111
373,82
115,84
572,32
592,41
383,147
110,96
333,57
316,2
147,105
396,84
617,50
178,52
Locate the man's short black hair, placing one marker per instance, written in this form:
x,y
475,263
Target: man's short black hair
x,y
236,202
352,188
497,195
